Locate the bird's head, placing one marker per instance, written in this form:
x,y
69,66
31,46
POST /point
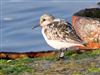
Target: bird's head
x,y
46,19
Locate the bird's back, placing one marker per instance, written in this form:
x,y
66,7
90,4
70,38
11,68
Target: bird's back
x,y
62,31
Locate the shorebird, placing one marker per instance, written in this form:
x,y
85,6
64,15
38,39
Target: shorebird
x,y
59,33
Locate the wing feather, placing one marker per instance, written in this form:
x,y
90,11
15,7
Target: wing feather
x,y
62,31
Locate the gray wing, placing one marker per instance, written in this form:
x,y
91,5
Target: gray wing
x,y
63,31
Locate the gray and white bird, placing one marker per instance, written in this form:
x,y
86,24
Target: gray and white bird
x,y
58,33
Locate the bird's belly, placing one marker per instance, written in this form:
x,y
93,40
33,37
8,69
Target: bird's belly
x,y
59,45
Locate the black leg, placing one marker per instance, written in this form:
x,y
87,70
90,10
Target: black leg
x,y
61,54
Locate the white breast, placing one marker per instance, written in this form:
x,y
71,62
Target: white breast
x,y
58,44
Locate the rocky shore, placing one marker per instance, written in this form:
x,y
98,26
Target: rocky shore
x,y
87,63
16,55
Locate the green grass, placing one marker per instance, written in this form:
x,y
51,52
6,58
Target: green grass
x,y
15,67
77,56
95,70
32,66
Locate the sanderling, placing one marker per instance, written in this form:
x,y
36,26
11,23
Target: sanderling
x,y
58,33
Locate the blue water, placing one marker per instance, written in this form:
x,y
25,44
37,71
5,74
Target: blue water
x,y
19,16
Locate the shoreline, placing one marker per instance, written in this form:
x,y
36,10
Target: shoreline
x,y
16,55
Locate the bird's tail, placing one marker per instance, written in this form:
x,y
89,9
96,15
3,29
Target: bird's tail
x,y
89,46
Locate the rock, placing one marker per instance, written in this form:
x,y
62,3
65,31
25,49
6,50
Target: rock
x,y
98,3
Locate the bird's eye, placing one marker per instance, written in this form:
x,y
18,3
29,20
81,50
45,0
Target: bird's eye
x,y
44,19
